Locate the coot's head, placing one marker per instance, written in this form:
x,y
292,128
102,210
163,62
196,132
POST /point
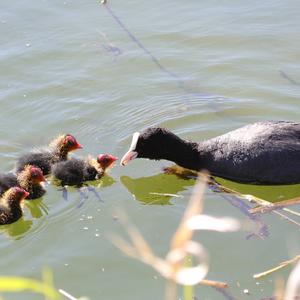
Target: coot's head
x,y
153,143
106,161
70,143
14,196
65,143
35,174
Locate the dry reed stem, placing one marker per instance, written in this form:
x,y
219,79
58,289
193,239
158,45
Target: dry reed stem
x,y
171,290
279,289
195,207
280,266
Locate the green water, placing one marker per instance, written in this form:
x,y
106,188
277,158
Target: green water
x,y
67,67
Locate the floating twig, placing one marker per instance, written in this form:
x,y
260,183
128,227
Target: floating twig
x,y
67,295
236,199
280,266
287,77
225,293
213,283
166,195
278,205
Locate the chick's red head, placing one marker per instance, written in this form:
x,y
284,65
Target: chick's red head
x,y
36,174
18,193
71,143
106,160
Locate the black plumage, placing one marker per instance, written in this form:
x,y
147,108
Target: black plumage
x,y
7,180
10,205
77,171
58,151
260,153
74,172
29,179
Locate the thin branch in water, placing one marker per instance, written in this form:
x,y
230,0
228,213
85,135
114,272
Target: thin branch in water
x,y
288,78
236,199
213,283
179,80
272,206
67,295
166,195
225,294
287,218
279,267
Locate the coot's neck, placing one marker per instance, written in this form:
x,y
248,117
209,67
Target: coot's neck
x,y
181,152
61,154
15,209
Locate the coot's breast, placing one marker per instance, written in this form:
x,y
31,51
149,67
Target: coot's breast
x,y
264,152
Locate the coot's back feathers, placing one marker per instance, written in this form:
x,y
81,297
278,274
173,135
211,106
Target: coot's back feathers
x,y
10,205
77,171
29,179
58,151
73,171
263,152
7,180
41,159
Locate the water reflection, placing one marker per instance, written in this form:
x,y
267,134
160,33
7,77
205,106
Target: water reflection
x,y
158,189
86,189
18,229
271,193
37,208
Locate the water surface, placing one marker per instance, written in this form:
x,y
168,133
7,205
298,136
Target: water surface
x,y
67,66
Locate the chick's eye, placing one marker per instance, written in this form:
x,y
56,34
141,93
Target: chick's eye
x,y
70,141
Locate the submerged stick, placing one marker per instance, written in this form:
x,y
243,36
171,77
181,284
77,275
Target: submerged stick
x,y
166,195
67,295
179,80
235,199
272,206
225,293
139,44
215,284
288,78
266,205
280,266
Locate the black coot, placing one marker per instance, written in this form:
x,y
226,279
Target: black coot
x,y
77,171
58,151
29,179
10,205
259,153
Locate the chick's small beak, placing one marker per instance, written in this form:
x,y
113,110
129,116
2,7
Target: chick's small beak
x,y
112,160
130,155
26,194
78,146
42,178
